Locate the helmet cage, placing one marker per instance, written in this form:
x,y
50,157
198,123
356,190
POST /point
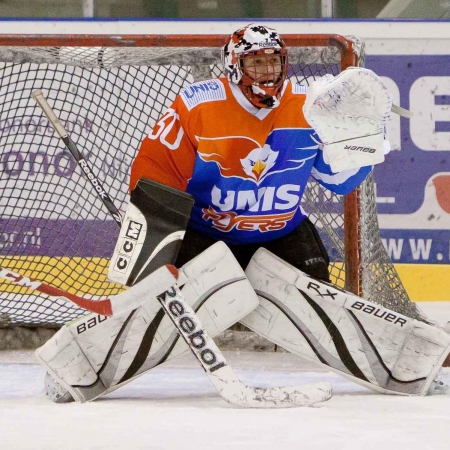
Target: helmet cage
x,y
261,41
265,90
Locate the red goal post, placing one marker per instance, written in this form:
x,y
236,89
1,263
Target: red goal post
x,y
109,90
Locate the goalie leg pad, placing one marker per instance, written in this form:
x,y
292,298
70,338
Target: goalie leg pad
x,y
373,346
95,355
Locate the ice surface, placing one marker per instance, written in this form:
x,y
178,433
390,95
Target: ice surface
x,y
176,407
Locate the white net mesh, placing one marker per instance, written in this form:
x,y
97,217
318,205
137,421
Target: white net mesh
x,y
54,228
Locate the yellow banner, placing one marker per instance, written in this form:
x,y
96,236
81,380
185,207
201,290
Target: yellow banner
x,y
74,275
423,282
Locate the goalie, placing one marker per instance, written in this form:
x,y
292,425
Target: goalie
x,y
242,147
228,162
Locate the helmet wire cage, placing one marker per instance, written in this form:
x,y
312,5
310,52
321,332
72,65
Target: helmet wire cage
x,y
266,50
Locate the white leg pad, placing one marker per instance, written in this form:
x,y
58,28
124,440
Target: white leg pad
x,y
376,347
95,355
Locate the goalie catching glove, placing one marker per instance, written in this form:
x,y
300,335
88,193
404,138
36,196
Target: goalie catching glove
x,y
349,113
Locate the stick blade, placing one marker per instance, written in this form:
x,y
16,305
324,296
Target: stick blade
x,y
239,394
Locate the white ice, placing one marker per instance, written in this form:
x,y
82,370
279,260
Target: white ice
x,y
175,407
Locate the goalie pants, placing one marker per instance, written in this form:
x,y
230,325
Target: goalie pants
x,y
302,248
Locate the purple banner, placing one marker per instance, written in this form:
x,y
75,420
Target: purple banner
x,y
42,237
413,184
405,173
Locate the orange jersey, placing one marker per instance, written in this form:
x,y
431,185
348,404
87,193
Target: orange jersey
x,y
246,167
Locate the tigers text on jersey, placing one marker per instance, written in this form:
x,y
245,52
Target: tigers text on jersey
x,y
247,168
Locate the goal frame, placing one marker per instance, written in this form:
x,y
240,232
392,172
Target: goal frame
x,y
148,71
349,57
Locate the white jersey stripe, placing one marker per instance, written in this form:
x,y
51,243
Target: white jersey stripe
x,y
298,88
202,92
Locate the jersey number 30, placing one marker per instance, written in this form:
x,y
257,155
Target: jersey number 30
x,y
168,129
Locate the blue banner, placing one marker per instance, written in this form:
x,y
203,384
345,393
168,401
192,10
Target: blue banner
x,y
413,184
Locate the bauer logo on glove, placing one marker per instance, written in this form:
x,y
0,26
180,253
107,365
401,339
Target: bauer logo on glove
x,y
349,113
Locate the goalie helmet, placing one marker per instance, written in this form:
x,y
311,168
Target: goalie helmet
x,y
255,59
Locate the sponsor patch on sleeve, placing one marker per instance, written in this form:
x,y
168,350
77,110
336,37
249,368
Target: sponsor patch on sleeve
x,y
298,88
202,92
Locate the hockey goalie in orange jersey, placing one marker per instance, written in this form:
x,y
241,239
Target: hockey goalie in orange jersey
x,y
229,161
240,145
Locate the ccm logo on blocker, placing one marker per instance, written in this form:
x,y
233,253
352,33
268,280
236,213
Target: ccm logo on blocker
x,y
128,245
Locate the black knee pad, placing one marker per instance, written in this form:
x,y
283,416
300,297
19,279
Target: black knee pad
x,y
303,248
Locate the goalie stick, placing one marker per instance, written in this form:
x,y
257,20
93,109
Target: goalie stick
x,y
190,328
158,281
221,374
401,111
77,156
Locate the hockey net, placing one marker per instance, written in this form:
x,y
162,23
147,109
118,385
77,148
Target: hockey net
x,y
109,91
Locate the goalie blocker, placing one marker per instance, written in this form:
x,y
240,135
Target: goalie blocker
x,y
371,345
151,233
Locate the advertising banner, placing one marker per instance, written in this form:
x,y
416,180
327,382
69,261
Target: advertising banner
x,y
413,185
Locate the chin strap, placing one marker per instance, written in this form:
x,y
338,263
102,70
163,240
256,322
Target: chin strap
x,y
268,100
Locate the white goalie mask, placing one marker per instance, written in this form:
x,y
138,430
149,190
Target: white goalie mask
x,y
255,59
